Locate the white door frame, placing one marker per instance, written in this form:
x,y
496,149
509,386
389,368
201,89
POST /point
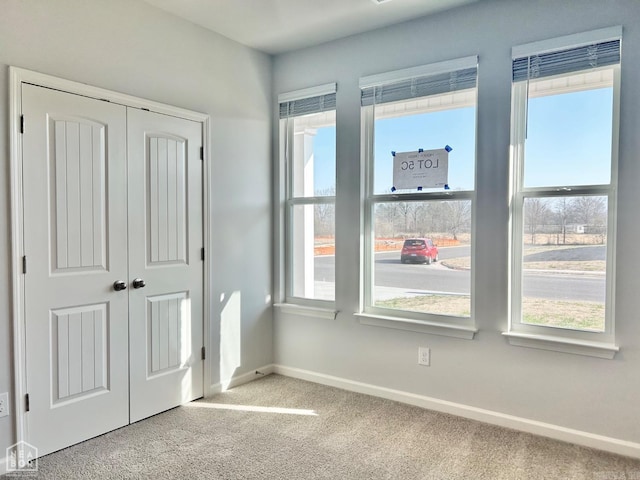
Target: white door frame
x,y
17,76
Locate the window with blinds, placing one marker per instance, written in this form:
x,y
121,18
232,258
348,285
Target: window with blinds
x,y
565,102
428,107
308,158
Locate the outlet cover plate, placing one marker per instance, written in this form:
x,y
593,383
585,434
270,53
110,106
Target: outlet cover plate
x,y
424,356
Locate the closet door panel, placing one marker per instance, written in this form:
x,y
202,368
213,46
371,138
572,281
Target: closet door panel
x,y
75,213
165,241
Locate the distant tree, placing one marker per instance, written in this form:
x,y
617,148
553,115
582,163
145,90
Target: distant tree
x,y
458,217
436,216
589,210
536,212
385,220
405,209
324,221
562,213
325,213
415,215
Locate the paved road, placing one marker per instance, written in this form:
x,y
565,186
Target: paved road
x,y
586,253
389,272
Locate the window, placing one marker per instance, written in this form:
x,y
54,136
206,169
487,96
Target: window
x,y
418,260
308,146
564,169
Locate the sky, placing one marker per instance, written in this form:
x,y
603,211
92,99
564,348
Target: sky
x,y
568,142
324,151
569,139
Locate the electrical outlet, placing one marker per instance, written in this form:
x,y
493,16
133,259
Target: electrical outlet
x,y
424,356
4,404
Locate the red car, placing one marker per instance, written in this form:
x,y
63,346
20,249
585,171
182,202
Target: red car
x,y
421,250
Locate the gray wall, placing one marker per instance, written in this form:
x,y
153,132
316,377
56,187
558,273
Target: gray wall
x,y
583,393
131,47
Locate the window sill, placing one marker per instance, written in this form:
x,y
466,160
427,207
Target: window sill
x,y
420,326
565,345
307,311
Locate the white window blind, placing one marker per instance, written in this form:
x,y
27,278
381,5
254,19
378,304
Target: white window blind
x,y
306,106
573,59
307,101
422,81
421,86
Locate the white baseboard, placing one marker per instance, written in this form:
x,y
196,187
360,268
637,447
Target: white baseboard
x,y
556,432
236,381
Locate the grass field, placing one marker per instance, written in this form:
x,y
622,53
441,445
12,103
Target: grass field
x,y
553,313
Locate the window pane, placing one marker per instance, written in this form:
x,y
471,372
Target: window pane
x,y
312,251
314,155
564,262
427,123
422,258
569,130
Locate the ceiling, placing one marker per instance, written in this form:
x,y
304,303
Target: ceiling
x,y
277,26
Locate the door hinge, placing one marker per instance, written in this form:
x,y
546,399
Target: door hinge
x,y
21,123
26,403
201,153
24,264
202,253
203,354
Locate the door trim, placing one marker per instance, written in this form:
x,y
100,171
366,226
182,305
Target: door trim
x,y
18,76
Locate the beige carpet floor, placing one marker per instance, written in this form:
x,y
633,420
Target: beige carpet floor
x,y
282,428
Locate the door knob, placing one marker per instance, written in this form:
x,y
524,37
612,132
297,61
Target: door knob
x,y
119,285
138,283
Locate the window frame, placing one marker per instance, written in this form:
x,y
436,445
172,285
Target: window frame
x,y
285,300
448,325
564,339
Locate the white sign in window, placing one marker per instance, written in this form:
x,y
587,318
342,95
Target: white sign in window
x,y
421,169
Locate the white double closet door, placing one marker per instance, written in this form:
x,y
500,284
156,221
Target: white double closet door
x,y
112,198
